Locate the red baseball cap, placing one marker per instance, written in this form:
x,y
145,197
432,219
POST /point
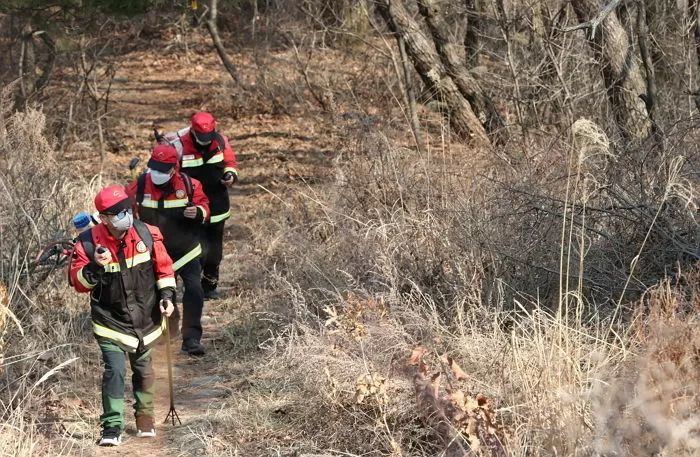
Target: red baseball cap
x,y
204,127
163,158
112,200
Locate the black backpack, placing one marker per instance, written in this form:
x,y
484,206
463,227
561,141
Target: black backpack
x,y
89,246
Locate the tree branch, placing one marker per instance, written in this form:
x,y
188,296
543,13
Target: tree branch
x,y
218,45
595,22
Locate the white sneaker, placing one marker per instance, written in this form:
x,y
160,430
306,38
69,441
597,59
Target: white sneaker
x,y
111,436
146,434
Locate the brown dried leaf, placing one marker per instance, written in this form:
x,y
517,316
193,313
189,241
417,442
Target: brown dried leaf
x,y
457,397
434,385
416,356
456,370
423,368
471,404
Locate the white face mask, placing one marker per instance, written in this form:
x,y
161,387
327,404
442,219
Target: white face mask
x,y
124,223
159,178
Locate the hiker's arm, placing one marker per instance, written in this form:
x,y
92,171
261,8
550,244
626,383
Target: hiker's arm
x,y
200,201
230,162
162,266
84,272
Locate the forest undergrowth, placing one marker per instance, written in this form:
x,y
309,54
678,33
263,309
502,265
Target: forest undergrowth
x,y
535,298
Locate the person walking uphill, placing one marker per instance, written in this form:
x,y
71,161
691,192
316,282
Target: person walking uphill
x,y
177,205
207,156
124,266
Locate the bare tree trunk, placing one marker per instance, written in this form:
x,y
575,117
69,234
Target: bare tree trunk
x,y
434,74
30,83
27,65
621,75
43,80
695,17
214,33
471,34
410,94
643,40
449,55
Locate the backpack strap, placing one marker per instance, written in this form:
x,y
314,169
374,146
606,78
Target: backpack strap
x,y
144,233
140,187
188,185
85,237
220,144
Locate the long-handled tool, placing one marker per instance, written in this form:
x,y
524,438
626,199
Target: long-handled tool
x,y
172,414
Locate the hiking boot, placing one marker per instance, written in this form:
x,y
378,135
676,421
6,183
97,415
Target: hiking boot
x,y
111,436
145,427
192,346
211,294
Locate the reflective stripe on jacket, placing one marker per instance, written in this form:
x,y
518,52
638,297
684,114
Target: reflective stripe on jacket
x,y
164,206
208,164
124,294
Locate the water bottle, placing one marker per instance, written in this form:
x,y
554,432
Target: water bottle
x,y
83,221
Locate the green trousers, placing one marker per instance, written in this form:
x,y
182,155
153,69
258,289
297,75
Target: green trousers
x,y
142,381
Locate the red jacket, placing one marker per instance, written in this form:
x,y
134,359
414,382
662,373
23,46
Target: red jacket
x,y
125,292
163,207
208,164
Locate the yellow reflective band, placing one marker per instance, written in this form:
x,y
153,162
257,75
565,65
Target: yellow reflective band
x,y
220,217
218,157
165,282
84,281
149,203
151,337
130,262
231,169
138,259
189,163
204,212
178,203
128,340
182,261
112,267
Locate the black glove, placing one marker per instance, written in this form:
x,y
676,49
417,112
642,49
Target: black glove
x,y
229,174
167,294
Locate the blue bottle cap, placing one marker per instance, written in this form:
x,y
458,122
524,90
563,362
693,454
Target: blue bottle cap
x,y
81,220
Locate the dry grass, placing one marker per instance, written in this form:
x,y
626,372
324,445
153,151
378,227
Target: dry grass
x,y
396,254
43,325
533,275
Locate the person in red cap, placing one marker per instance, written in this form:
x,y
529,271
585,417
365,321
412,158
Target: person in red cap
x,y
177,205
124,266
207,156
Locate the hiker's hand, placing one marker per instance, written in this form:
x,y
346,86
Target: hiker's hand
x,y
166,308
229,179
102,258
190,212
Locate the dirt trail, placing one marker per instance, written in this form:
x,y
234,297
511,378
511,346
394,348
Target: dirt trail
x,y
272,152
145,94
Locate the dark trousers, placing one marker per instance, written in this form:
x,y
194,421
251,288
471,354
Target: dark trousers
x,y
213,246
142,381
192,299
